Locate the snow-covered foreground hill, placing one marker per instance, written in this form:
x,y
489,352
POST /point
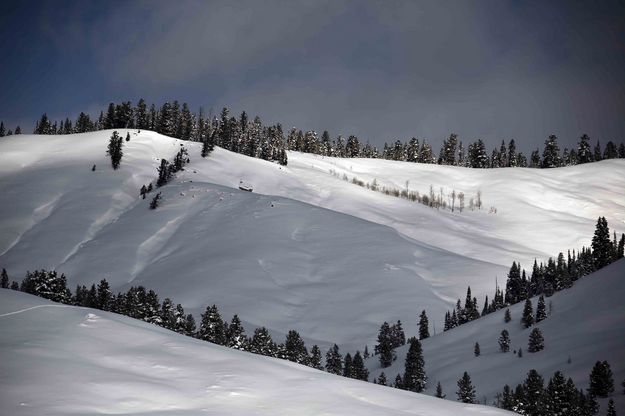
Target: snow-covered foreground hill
x,y
65,360
586,324
331,276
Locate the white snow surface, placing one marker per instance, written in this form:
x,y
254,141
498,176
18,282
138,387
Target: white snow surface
x,y
65,360
586,324
287,256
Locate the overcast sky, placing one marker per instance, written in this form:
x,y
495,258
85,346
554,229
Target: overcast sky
x,y
381,70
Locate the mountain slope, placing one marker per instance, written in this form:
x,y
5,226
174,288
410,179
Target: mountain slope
x,y
64,360
586,324
333,277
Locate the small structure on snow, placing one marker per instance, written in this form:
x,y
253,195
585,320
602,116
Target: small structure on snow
x,y
245,186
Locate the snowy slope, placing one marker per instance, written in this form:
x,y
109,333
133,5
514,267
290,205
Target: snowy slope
x,y
64,360
587,324
333,277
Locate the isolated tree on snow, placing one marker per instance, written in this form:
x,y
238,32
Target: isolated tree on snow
x,y
601,381
506,316
466,391
476,349
601,244
424,331
504,341
155,201
439,391
541,311
115,150
415,378
528,314
334,360
143,191
536,341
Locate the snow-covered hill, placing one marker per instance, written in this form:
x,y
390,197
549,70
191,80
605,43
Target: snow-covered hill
x,y
586,324
333,277
63,360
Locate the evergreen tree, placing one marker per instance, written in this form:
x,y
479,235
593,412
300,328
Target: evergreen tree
x,y
261,343
189,326
611,409
536,341
476,349
235,335
334,360
105,296
534,403
212,326
541,311
601,380
115,150
347,366
398,382
314,360
504,341
207,146
506,317
601,244
424,331
557,396
551,153
384,348
359,371
584,154
295,348
466,391
597,152
477,155
4,281
164,173
397,335
155,201
439,391
382,379
528,314
415,378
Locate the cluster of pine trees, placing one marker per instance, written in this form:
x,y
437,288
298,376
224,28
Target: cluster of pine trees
x,y
239,135
560,396
545,278
5,132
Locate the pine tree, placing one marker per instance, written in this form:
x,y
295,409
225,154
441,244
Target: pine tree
x,y
347,366
212,326
359,371
536,341
314,360
4,281
261,343
190,326
584,154
541,311
534,403
466,391
104,295
334,360
611,409
601,380
115,150
476,349
506,317
235,336
164,173
557,395
601,244
439,391
504,341
424,331
207,146
398,381
551,154
155,201
397,335
415,378
295,348
528,314
381,380
384,348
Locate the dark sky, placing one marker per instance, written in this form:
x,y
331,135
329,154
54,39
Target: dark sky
x,y
379,69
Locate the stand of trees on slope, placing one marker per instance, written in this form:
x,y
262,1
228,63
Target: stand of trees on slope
x,y
269,143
